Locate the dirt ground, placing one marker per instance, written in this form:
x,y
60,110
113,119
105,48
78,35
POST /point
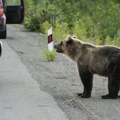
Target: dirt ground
x,y
60,79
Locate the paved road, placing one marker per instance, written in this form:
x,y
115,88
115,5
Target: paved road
x,y
20,94
58,78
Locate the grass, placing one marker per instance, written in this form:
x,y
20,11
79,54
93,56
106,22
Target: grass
x,y
49,55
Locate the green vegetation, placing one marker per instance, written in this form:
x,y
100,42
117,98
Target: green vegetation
x,y
49,55
97,20
12,2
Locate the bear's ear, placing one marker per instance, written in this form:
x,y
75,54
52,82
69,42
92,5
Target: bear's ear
x,y
68,37
70,41
74,36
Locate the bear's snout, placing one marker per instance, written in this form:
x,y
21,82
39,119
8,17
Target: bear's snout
x,y
55,46
58,48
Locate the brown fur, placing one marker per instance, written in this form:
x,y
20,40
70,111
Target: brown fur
x,y
92,59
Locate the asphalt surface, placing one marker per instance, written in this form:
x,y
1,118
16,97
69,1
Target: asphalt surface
x,y
20,94
59,79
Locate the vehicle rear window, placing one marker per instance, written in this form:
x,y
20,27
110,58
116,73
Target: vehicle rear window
x,y
12,2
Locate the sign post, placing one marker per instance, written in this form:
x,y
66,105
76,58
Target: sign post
x,y
50,40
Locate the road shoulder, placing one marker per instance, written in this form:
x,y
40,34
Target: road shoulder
x,y
20,95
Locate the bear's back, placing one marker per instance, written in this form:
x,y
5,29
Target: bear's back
x,y
107,51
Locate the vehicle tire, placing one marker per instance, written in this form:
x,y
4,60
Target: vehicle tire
x,y
3,34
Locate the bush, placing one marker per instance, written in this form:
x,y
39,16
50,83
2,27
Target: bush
x,y
79,28
49,55
45,26
38,14
33,19
92,19
60,31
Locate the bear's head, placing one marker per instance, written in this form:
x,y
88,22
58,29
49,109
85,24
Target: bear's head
x,y
70,46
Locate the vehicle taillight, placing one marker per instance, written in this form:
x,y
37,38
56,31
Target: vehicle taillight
x,y
1,10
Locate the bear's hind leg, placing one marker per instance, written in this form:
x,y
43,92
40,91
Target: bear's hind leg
x,y
113,83
113,88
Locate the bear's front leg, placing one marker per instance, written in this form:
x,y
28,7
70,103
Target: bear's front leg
x,y
87,80
80,94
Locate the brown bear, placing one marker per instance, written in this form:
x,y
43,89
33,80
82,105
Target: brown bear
x,y
92,59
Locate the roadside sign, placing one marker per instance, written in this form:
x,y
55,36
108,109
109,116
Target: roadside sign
x,y
50,40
